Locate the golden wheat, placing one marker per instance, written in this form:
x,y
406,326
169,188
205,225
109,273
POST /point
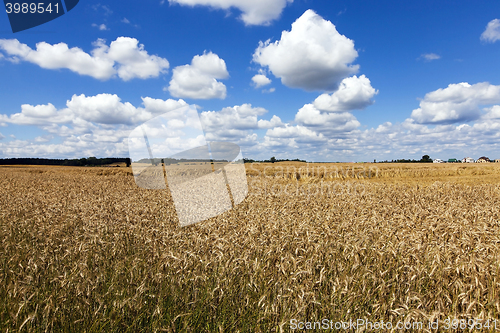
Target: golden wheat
x,y
85,249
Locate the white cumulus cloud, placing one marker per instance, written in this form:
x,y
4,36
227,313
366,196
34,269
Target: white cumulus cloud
x,y
38,115
254,12
458,102
492,32
125,57
89,125
99,126
236,117
199,79
274,122
103,109
354,93
260,80
236,122
293,137
81,111
311,56
492,112
310,116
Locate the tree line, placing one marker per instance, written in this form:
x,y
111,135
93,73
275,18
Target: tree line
x,y
272,160
93,161
90,161
424,159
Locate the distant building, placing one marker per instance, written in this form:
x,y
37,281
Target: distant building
x,y
497,161
437,160
468,160
452,160
483,159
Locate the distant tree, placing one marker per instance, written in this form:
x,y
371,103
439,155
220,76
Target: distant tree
x,y
92,160
273,159
127,161
426,159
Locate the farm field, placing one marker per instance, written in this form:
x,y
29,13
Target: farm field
x,y
86,250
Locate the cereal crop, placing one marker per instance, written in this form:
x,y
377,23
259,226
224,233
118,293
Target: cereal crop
x,y
86,250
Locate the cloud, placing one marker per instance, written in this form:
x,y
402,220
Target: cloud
x,y
458,102
236,123
133,61
430,56
294,132
99,126
492,32
387,141
199,80
354,93
241,117
254,12
314,133
89,125
106,109
102,9
492,112
44,138
282,140
268,91
274,122
440,141
260,80
125,57
101,27
311,56
38,115
329,122
127,21
1,136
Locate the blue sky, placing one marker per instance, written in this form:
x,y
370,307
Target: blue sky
x,y
316,80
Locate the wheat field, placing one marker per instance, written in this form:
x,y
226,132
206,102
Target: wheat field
x,y
86,250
